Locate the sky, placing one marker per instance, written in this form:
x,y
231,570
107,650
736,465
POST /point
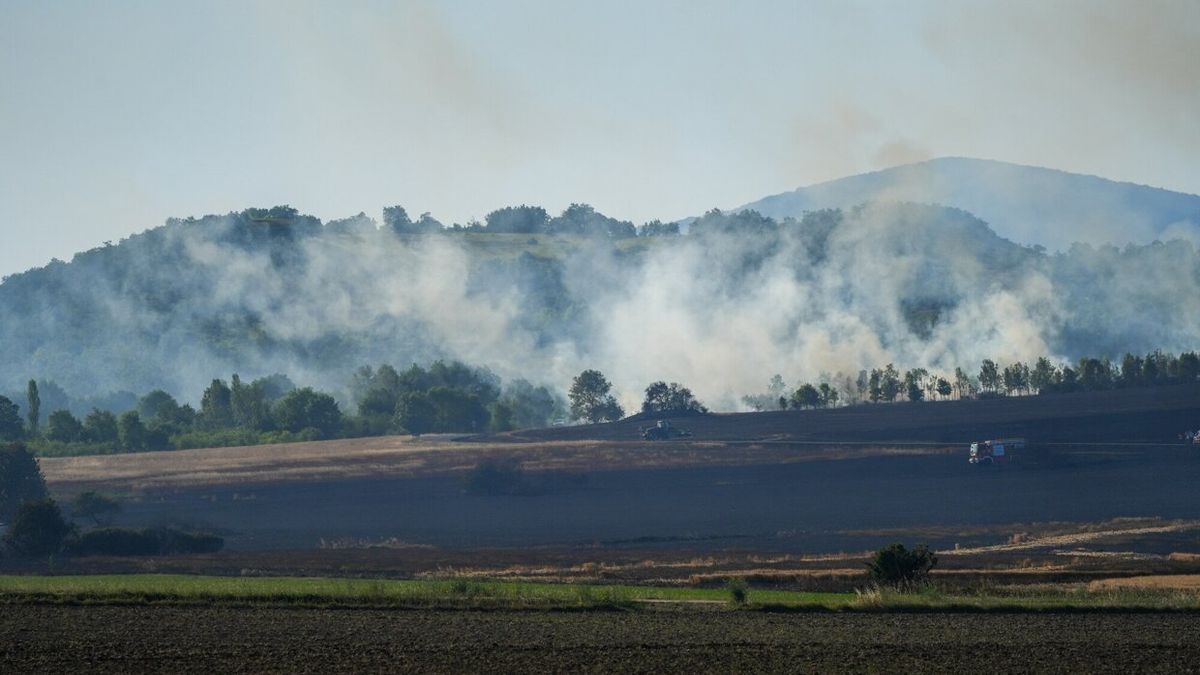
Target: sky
x,y
117,115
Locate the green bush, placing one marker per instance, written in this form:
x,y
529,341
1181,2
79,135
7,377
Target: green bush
x,y
137,542
38,529
896,565
738,589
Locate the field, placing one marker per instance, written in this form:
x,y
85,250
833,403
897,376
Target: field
x,y
64,638
369,554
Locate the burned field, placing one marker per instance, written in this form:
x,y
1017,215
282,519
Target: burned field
x,y
797,482
790,502
167,639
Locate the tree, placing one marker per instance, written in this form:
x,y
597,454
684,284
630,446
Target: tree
x,y
35,407
63,427
100,426
889,383
989,375
1016,378
20,479
501,417
131,431
96,507
158,406
1131,371
943,387
1094,374
895,564
1043,374
670,398
216,406
590,398
912,384
829,395
518,219
307,409
805,396
38,529
962,382
11,426
248,405
415,413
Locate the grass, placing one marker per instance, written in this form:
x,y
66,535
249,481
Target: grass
x,y
463,594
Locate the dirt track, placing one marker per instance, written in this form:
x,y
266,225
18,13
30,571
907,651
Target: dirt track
x,y
137,639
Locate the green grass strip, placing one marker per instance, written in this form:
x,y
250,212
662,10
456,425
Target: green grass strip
x,y
460,593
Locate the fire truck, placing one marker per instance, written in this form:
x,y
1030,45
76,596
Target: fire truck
x,y
998,451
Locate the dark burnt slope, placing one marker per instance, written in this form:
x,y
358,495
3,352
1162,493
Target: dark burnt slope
x,y
1149,415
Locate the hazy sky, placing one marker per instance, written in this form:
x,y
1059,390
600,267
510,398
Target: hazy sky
x,y
117,115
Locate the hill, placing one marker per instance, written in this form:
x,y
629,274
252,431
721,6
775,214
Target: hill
x,y
1029,205
721,309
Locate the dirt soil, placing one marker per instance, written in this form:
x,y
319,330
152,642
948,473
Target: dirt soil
x,y
259,640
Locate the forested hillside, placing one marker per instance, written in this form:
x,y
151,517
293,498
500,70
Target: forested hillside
x,y
725,306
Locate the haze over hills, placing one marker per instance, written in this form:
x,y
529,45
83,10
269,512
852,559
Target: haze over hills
x,y
721,309
1026,204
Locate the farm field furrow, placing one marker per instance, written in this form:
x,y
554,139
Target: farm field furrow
x,y
45,638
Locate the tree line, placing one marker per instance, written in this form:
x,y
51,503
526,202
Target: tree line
x,y
888,384
444,397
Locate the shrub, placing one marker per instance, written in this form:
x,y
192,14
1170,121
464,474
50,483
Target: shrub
x,y
138,542
896,565
38,529
498,477
738,589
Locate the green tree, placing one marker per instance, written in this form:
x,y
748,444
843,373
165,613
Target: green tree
x,y
159,406
889,383
63,427
415,413
35,407
1131,371
20,479
806,396
590,398
913,380
895,564
11,426
38,529
96,507
216,406
943,387
501,417
131,431
100,426
308,409
1094,374
248,405
1043,374
989,375
670,398
829,395
962,382
1016,378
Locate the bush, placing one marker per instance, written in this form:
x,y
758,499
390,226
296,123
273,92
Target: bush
x,y
498,477
738,589
38,529
135,542
896,565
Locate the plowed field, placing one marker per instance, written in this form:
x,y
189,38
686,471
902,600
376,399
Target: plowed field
x,y
255,640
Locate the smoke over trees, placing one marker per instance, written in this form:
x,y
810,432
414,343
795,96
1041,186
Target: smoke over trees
x,y
723,307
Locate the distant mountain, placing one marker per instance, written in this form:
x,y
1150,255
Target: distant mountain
x,y
1026,204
